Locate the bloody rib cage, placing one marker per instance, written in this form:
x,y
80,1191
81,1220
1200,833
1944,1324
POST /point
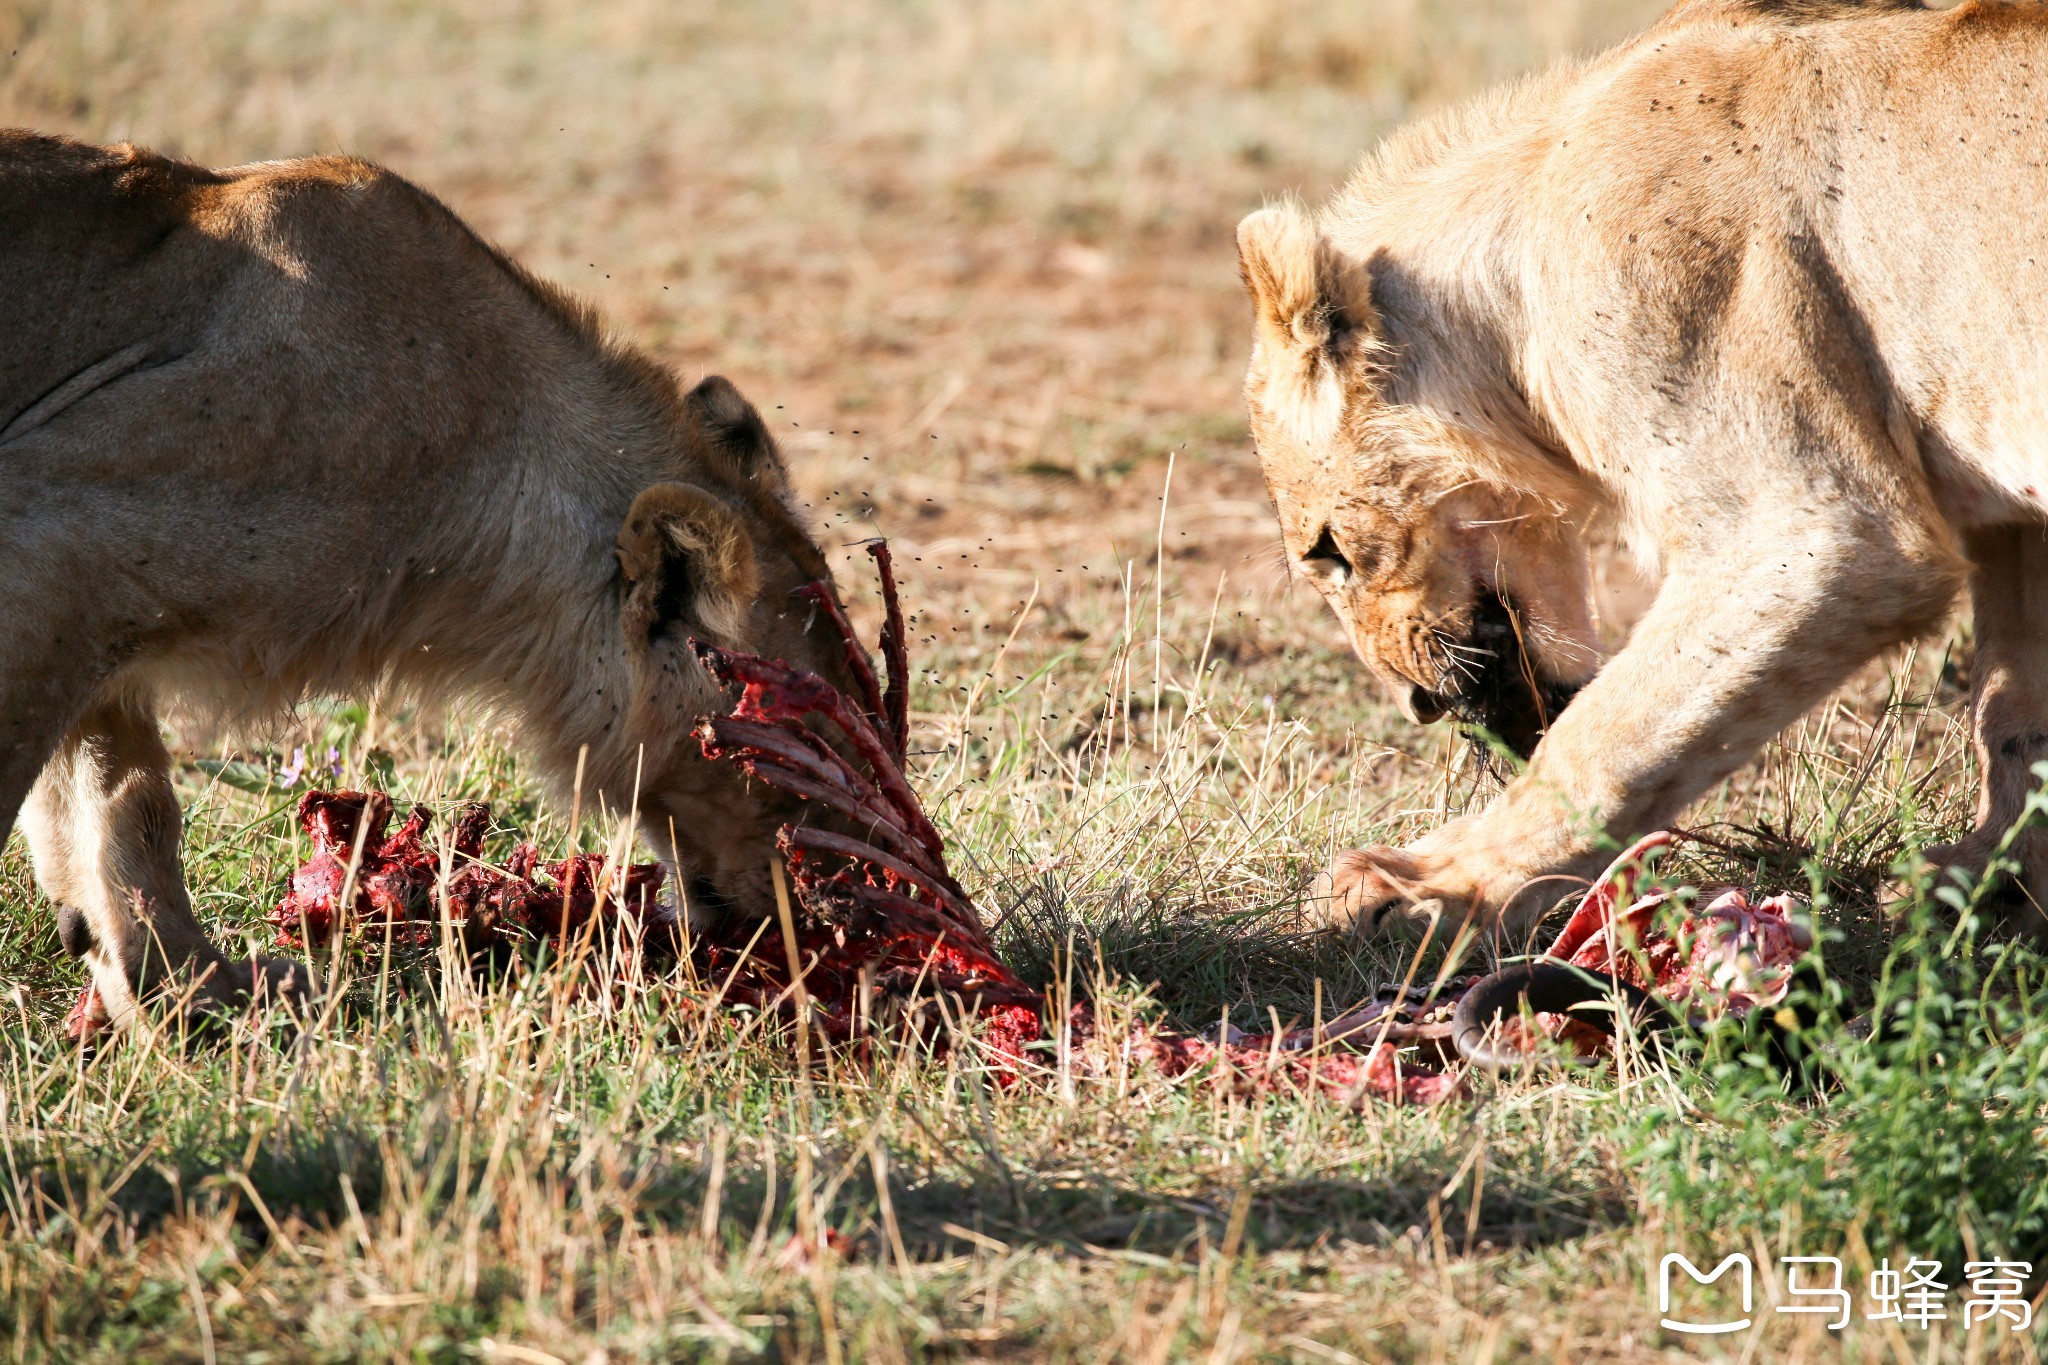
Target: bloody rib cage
x,y
884,922
883,917
884,913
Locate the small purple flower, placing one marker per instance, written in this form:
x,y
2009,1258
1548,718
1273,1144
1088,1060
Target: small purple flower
x,y
293,771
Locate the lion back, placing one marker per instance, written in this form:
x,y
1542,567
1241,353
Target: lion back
x,y
84,233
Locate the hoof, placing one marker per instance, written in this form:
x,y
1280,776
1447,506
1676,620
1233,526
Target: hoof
x,y
74,932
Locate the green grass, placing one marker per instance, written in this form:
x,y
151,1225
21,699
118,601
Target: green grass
x,y
443,1168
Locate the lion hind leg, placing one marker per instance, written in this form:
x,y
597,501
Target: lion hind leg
x,y
2009,714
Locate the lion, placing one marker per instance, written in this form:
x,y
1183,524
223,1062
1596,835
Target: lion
x,y
1763,295
293,428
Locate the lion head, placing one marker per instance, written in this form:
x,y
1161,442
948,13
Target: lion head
x,y
718,558
1401,488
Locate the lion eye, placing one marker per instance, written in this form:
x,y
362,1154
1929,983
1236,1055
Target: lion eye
x,y
1325,560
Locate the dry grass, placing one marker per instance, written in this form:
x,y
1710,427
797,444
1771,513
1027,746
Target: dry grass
x,y
974,259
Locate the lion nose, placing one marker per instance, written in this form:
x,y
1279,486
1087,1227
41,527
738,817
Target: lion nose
x,y
1419,704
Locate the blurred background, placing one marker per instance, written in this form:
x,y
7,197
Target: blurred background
x,y
973,257
1005,224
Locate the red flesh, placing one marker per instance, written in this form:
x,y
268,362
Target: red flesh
x,y
407,886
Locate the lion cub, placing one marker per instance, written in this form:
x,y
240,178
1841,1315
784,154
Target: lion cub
x,y
293,428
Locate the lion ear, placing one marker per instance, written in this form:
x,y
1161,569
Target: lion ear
x,y
1307,296
1314,308
730,427
688,564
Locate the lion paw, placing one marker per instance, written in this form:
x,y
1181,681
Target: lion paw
x,y
1971,853
249,989
260,983
2015,900
1375,890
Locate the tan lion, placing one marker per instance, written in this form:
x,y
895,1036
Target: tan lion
x,y
294,428
1764,293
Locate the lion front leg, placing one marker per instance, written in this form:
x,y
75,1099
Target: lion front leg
x,y
1737,645
102,824
2008,711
